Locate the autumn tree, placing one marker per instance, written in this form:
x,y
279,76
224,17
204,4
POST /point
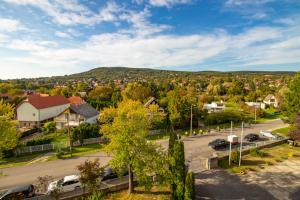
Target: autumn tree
x,y
129,147
292,98
9,135
137,92
90,173
102,93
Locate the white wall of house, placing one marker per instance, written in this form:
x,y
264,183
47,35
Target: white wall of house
x,y
52,112
92,120
257,104
27,112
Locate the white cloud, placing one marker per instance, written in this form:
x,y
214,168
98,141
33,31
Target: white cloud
x,y
167,3
70,12
230,3
2,38
30,46
254,46
10,25
62,34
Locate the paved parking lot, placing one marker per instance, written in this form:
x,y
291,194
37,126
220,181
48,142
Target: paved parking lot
x,y
195,148
280,182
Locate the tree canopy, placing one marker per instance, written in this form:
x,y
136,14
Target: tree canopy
x,y
129,146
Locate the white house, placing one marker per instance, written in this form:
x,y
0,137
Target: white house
x,y
36,109
76,114
214,107
271,100
258,105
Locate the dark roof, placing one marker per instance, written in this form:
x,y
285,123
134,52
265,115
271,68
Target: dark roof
x,y
148,103
85,110
41,102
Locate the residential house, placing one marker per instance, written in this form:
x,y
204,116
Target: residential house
x,y
271,100
258,105
36,109
214,107
78,112
152,101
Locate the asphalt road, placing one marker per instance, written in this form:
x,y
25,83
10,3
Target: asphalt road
x,y
195,147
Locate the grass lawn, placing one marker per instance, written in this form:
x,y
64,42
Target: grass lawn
x,y
157,193
27,158
272,156
80,151
270,113
18,160
282,131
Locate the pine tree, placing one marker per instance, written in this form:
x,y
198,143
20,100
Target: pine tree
x,y
189,193
178,170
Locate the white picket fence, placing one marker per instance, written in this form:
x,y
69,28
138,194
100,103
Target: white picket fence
x,y
51,147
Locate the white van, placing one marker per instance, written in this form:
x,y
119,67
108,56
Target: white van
x,y
65,184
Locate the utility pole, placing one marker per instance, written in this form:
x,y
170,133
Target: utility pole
x,y
255,111
191,128
69,134
241,146
230,146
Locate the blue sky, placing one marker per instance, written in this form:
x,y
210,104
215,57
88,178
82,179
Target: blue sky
x,y
58,37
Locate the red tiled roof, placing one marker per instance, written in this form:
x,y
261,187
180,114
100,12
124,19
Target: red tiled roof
x,y
75,100
41,102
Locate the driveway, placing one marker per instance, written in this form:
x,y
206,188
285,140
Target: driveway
x,y
195,148
278,182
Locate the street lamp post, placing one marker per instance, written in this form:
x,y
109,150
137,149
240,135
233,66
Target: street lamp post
x,y
241,146
230,146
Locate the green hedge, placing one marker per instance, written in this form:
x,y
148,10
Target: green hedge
x,y
226,117
40,140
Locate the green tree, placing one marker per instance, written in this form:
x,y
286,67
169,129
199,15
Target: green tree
x,y
101,93
189,192
6,110
84,131
9,135
178,170
137,92
49,127
130,148
292,98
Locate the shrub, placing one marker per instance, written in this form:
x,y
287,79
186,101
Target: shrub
x,y
49,127
8,153
84,131
225,117
235,156
257,153
290,154
94,196
39,141
189,192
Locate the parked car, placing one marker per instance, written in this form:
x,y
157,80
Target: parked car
x,y
65,184
18,192
218,144
233,139
251,137
109,173
268,134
